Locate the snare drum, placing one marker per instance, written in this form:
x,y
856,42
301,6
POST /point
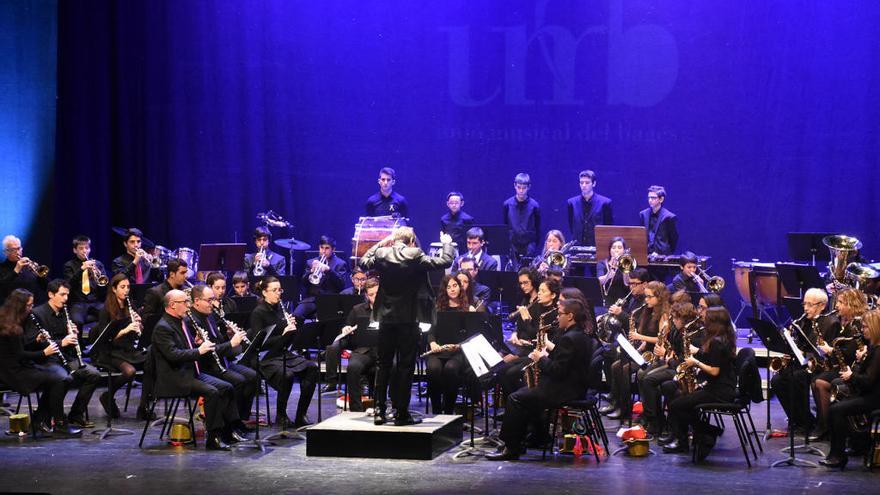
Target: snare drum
x,y
192,260
765,276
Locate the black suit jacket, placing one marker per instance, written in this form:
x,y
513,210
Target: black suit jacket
x,y
565,372
600,214
276,266
223,347
154,308
174,361
487,262
404,274
664,238
333,280
125,264
73,273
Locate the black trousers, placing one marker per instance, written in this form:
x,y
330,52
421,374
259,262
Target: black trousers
x,y
649,381
358,365
683,412
838,415
52,388
525,406
244,382
792,388
445,376
87,378
511,376
273,370
332,358
220,410
621,385
401,340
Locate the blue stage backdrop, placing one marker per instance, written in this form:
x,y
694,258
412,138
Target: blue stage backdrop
x,y
187,117
28,52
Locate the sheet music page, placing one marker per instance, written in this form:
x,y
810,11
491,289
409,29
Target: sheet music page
x,y
798,355
630,350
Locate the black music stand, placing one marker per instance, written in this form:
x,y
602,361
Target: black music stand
x,y
363,336
505,285
221,257
251,354
796,279
589,286
626,347
485,362
808,246
245,304
773,342
308,336
284,434
497,238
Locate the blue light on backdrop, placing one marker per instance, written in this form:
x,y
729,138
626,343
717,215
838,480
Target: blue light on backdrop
x,y
28,50
188,117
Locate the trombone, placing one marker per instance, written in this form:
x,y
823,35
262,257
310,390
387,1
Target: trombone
x,y
714,284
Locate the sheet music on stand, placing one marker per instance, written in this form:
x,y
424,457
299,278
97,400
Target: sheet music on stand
x,y
630,350
798,355
480,354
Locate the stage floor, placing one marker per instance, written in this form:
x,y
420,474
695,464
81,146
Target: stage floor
x,y
88,465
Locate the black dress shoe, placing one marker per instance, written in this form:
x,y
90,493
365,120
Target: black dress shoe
x,y
834,462
109,405
665,439
283,421
406,420
65,430
302,421
243,428
144,414
330,387
675,447
379,418
81,422
607,408
215,443
505,455
818,435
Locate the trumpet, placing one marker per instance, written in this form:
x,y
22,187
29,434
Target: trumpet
x,y
154,261
100,278
317,275
71,328
41,270
259,259
714,284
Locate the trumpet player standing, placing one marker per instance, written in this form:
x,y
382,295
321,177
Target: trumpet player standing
x,y
134,263
264,262
19,272
84,275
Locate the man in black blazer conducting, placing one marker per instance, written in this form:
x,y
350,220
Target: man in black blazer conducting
x,y
403,269
660,223
587,210
177,371
564,376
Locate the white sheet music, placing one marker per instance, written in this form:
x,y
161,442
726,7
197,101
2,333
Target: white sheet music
x,y
798,355
630,350
480,354
424,327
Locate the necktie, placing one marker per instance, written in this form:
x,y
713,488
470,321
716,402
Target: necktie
x,y
86,288
138,274
189,343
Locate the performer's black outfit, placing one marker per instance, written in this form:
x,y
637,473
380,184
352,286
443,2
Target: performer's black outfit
x,y
86,377
685,283
622,368
584,215
276,267
565,376
865,381
457,226
178,373
26,279
379,205
244,380
403,271
662,230
484,261
332,282
125,264
113,351
361,360
154,308
511,376
795,397
523,218
84,308
616,289
445,371
272,364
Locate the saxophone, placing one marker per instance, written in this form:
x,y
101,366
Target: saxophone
x,y
204,336
662,341
532,372
685,375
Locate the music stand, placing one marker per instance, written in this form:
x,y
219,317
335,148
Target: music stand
x,y
245,304
308,336
796,278
637,359
284,434
589,286
485,362
504,284
773,342
250,354
335,306
497,238
222,257
808,246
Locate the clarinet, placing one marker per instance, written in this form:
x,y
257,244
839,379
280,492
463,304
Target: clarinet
x,y
204,336
48,338
135,318
79,354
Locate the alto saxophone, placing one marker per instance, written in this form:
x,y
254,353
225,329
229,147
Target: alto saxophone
x,y
532,372
685,375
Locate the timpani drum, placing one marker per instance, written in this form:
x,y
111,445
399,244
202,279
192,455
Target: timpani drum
x,y
370,230
192,260
766,278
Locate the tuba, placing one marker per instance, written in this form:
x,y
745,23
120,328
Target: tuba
x,y
843,248
861,274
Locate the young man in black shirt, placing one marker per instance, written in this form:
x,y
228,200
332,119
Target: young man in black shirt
x,y
522,215
587,210
659,222
456,222
82,274
386,201
133,263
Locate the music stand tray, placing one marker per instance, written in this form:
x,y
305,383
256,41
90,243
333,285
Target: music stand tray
x,y
808,246
222,257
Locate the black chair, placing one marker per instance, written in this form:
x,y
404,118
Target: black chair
x,y
172,404
874,444
4,389
588,408
109,371
748,391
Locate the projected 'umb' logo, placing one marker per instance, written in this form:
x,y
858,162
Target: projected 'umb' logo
x,y
642,62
